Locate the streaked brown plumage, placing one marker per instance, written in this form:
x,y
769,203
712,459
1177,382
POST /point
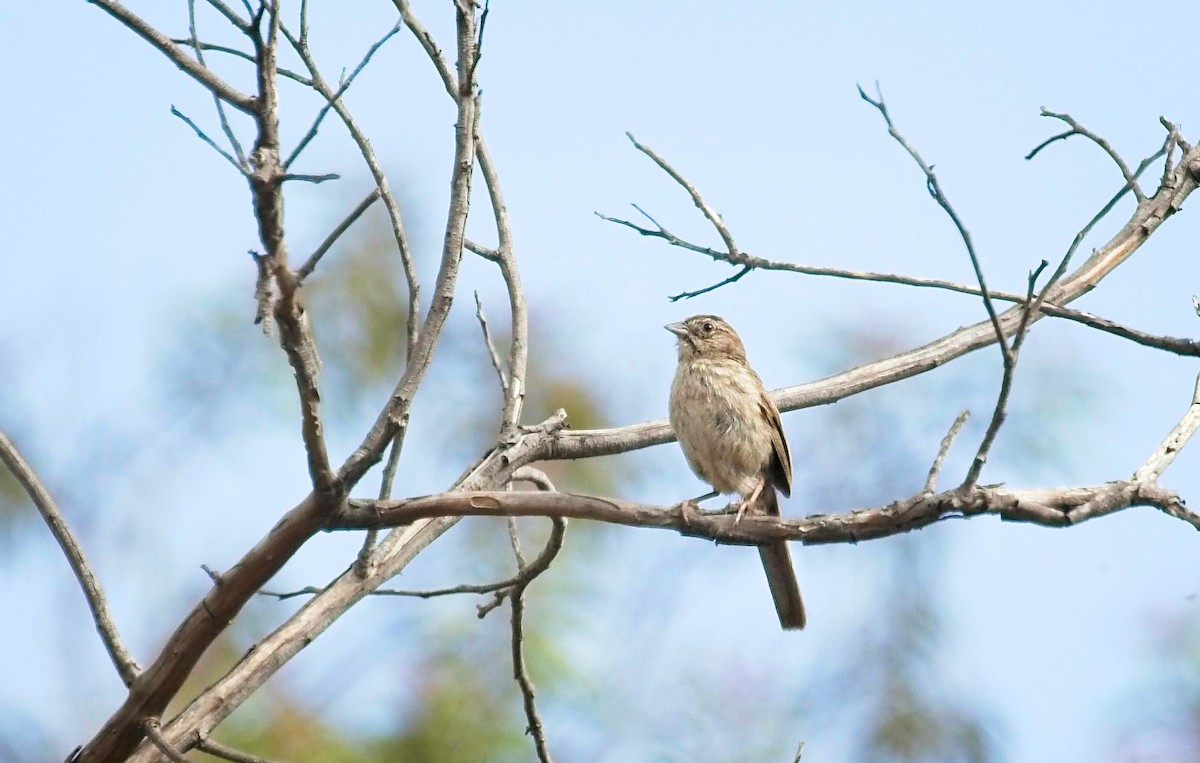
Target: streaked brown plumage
x,y
733,439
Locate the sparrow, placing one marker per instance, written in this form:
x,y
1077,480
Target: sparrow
x,y
733,439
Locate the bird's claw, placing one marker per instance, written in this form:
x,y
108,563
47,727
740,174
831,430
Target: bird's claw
x,y
742,506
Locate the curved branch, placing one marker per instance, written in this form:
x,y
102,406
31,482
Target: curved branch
x,y
122,660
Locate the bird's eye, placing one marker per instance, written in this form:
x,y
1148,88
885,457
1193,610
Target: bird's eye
x,y
707,327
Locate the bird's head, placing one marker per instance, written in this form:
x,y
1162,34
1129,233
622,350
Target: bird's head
x,y
707,336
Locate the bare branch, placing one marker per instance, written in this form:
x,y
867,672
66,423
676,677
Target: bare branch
x,y
731,279
526,573
1165,453
935,190
215,84
1169,145
393,554
533,476
229,135
314,179
231,16
365,554
204,137
389,200
1078,129
943,449
1049,507
518,353
709,213
310,264
491,348
215,748
534,727
153,730
330,99
452,247
1028,312
483,251
199,45
122,660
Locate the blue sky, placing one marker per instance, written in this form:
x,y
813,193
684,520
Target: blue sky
x,y
123,227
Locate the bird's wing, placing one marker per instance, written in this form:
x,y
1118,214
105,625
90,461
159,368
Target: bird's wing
x,y
779,470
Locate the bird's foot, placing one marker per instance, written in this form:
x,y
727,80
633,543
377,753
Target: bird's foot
x,y
741,508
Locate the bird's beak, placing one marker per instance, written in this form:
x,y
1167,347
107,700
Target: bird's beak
x,y
678,329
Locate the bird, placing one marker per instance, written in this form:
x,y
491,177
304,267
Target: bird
x,y
732,438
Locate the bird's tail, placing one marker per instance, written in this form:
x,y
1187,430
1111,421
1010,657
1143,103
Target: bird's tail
x,y
781,576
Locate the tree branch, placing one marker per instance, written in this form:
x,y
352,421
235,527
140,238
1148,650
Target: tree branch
x,y
935,190
153,730
1165,453
936,469
526,574
215,84
310,264
334,100
1049,507
709,213
242,164
334,97
122,660
1078,129
216,749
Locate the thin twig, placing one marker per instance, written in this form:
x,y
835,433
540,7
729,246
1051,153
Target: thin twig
x,y
526,572
491,348
725,282
1178,437
204,137
153,729
1000,410
242,55
1130,184
127,667
413,324
1169,146
231,16
363,563
506,258
535,727
310,264
483,17
1078,129
1033,305
304,22
229,134
421,349
483,251
943,449
935,190
514,539
315,179
216,749
302,41
697,199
